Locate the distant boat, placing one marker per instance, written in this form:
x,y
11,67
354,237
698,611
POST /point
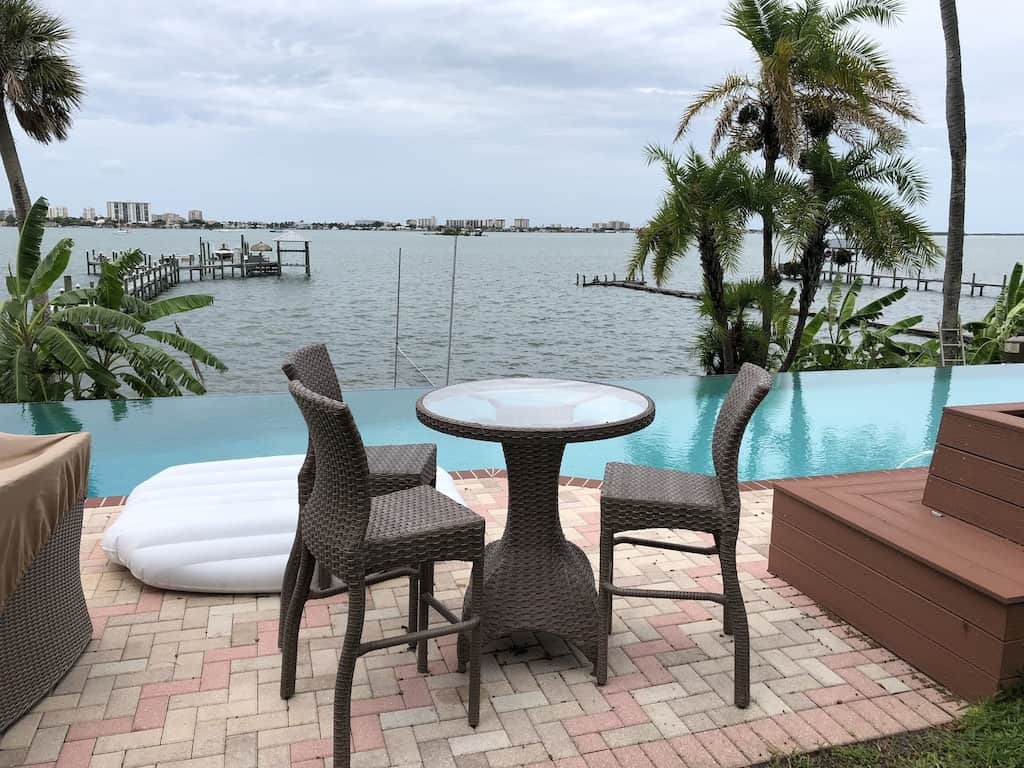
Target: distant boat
x,y
122,232
277,230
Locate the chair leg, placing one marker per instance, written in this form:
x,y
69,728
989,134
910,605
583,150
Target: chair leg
x,y
346,670
726,612
288,586
426,588
477,581
290,639
323,579
607,549
738,621
414,605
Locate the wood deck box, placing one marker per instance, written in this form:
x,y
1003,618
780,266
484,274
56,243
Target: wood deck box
x,y
929,563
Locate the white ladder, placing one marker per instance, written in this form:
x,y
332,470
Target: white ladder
x,y
951,345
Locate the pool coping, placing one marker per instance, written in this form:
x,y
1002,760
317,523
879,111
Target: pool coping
x,y
469,474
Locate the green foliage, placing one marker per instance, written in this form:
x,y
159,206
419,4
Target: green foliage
x,y
743,332
790,269
1005,319
840,335
91,343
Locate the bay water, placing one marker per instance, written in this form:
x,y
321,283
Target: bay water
x,y
517,310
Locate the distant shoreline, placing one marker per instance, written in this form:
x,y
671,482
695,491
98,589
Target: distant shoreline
x,y
537,230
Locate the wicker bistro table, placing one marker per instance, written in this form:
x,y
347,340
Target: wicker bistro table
x,y
533,578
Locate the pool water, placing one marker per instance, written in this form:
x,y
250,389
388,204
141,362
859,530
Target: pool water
x,y
810,424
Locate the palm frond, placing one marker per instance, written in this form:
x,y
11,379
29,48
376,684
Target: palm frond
x,y
29,251
728,88
189,347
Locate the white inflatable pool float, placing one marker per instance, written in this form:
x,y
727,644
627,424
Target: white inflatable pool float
x,y
216,526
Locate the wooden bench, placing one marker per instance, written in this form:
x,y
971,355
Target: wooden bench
x,y
942,588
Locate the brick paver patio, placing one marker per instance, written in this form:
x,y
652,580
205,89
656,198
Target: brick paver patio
x,y
182,680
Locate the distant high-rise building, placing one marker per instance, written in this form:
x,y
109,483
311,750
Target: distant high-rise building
x,y
128,212
195,215
613,226
475,223
89,214
6,213
522,224
430,223
169,218
57,212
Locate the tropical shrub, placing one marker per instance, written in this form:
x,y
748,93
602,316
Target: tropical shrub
x,y
91,343
842,257
790,269
1005,319
745,336
840,335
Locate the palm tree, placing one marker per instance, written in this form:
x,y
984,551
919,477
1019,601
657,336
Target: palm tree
x,y
866,193
38,82
707,204
809,63
956,126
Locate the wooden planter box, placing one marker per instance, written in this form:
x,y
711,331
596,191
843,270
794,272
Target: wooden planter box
x,y
929,563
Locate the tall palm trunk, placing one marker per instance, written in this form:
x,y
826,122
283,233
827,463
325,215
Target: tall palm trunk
x,y
12,165
767,252
956,126
772,150
811,261
714,284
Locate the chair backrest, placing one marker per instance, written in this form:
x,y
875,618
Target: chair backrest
x,y
745,394
334,518
312,366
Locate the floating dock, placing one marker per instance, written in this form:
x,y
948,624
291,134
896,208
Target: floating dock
x,y
161,273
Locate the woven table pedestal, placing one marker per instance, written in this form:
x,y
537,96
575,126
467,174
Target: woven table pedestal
x,y
535,580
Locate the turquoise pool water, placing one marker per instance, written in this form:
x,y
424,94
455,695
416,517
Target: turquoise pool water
x,y
811,423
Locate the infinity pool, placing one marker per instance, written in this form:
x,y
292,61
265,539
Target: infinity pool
x,y
810,424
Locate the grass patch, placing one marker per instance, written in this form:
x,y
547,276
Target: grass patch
x,y
988,735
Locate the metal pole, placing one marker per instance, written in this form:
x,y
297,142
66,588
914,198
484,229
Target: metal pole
x,y
451,311
398,311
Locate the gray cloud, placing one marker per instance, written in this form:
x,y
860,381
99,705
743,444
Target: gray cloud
x,y
456,107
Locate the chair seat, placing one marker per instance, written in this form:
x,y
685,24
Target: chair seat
x,y
397,467
636,497
420,525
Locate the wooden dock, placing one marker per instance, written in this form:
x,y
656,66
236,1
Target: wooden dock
x,y
847,275
161,273
918,282
640,285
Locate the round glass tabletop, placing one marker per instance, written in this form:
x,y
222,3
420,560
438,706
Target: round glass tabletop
x,y
537,405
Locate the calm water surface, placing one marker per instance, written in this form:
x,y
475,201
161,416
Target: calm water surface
x,y
518,310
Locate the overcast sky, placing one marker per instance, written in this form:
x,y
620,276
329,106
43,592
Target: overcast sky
x,y
327,110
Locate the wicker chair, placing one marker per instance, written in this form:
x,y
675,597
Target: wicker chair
x,y
45,625
353,534
636,498
392,468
